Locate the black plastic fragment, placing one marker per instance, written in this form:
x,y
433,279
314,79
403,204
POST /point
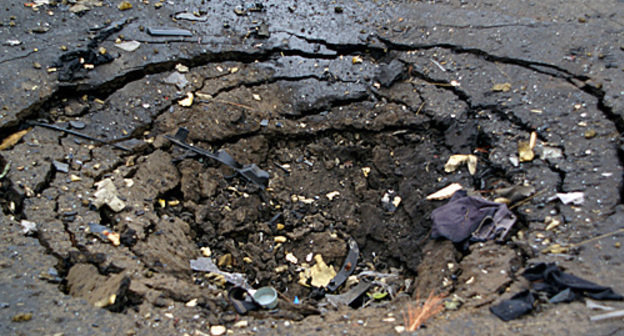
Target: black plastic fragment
x,y
241,300
78,134
347,267
251,172
169,32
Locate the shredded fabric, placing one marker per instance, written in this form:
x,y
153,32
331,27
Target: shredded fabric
x,y
466,218
557,285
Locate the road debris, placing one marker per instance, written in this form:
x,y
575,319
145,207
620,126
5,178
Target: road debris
x,y
266,297
106,193
128,45
415,317
347,268
455,161
319,275
190,17
556,284
525,149
466,218
204,264
188,101
78,134
444,193
501,87
28,227
169,32
13,139
104,233
251,172
576,198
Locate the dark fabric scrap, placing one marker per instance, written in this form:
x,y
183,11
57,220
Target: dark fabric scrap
x,y
551,279
466,217
556,284
518,305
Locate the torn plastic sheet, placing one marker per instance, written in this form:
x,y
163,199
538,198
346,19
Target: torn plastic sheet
x,y
576,198
251,172
204,264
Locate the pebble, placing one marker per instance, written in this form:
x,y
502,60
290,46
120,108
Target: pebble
x,y
22,317
217,330
241,324
77,124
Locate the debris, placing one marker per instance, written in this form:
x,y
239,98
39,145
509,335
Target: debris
x,y
291,258
366,171
75,178
501,87
445,193
320,273
5,170
28,227
217,330
251,172
124,5
595,305
388,204
77,124
78,134
350,297
177,79
106,193
356,60
203,264
615,314
13,139
128,45
550,153
390,73
12,43
22,317
280,239
241,324
205,251
525,149
256,97
241,300
181,68
556,284
331,195
590,134
515,193
576,198
168,32
266,297
188,101
551,223
416,317
468,219
459,159
104,233
72,64
191,303
190,17
347,268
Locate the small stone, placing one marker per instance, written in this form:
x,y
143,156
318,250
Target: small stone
x,y
399,329
241,324
74,178
77,124
22,317
60,166
205,251
280,239
124,5
590,134
618,245
217,330
37,65
191,303
181,68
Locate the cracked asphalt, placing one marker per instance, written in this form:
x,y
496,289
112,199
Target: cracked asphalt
x,y
360,98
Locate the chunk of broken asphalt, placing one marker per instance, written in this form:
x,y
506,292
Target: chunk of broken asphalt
x,y
390,73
